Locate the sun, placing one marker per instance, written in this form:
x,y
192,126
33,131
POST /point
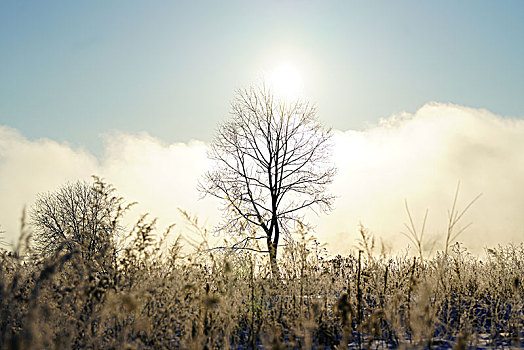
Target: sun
x,y
285,81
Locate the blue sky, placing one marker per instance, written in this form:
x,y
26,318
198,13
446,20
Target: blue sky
x,y
72,71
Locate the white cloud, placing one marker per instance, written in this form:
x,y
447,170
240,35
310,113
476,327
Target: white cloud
x,y
161,178
27,168
419,157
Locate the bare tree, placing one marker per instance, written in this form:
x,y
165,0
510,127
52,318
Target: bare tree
x,y
271,163
81,217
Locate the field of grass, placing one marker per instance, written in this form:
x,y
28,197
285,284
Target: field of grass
x,y
151,297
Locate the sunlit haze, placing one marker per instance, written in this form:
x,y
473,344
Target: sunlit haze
x,y
286,82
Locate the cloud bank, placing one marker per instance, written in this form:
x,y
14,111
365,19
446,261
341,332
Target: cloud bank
x,y
160,177
419,157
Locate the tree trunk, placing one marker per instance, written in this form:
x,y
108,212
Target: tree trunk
x,y
273,259
272,246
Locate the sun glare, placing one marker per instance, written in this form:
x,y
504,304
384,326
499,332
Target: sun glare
x,y
285,81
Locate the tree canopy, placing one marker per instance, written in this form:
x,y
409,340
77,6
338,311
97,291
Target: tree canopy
x,y
272,162
82,217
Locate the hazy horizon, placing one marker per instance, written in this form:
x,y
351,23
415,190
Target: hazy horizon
x,y
428,152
